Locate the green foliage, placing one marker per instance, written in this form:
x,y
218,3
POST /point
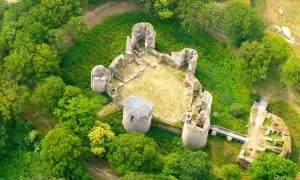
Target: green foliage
x,y
77,112
13,97
64,152
188,11
277,48
211,14
255,97
194,165
115,122
167,141
231,172
171,166
270,165
134,152
165,8
252,61
140,176
45,60
47,93
100,136
237,110
77,26
290,74
215,69
242,23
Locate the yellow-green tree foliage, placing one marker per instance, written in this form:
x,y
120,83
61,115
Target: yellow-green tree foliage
x,y
99,136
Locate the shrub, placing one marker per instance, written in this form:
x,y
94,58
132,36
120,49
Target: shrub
x,y
237,110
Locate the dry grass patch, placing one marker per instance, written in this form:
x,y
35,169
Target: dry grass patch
x,y
164,87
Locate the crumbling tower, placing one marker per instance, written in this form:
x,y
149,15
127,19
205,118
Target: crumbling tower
x,y
99,78
137,114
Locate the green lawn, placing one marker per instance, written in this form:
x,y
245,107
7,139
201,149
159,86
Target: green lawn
x,y
215,69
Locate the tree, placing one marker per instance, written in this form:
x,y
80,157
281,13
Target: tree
x,y
194,165
77,26
56,39
47,93
277,48
64,152
290,74
165,8
140,176
100,136
210,14
171,166
252,61
270,165
18,64
13,97
242,23
45,61
77,112
188,11
134,152
231,172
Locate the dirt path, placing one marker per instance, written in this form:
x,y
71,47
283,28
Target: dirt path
x,y
94,15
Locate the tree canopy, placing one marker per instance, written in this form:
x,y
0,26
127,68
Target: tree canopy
x,y
270,165
165,8
134,152
100,136
252,61
242,23
189,165
47,93
290,74
77,112
63,151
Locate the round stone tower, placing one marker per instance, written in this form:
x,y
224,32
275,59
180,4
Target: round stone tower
x,y
137,114
99,78
196,127
194,137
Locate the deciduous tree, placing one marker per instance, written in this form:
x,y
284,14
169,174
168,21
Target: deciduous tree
x,y
100,136
242,23
270,165
165,8
252,61
64,152
47,93
290,74
77,112
134,152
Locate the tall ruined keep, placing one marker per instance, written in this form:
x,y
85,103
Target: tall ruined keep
x,y
147,83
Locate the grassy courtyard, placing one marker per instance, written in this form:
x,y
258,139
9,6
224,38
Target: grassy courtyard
x,y
163,86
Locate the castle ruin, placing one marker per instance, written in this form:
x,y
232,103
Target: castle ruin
x,y
147,83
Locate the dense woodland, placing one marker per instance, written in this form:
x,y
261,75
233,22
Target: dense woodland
x,y
40,75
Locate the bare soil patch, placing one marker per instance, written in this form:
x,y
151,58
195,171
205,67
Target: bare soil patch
x,y
94,15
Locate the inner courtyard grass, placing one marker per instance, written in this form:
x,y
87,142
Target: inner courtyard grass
x,y
215,69
163,86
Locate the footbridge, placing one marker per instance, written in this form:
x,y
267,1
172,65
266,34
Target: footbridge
x,y
228,133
